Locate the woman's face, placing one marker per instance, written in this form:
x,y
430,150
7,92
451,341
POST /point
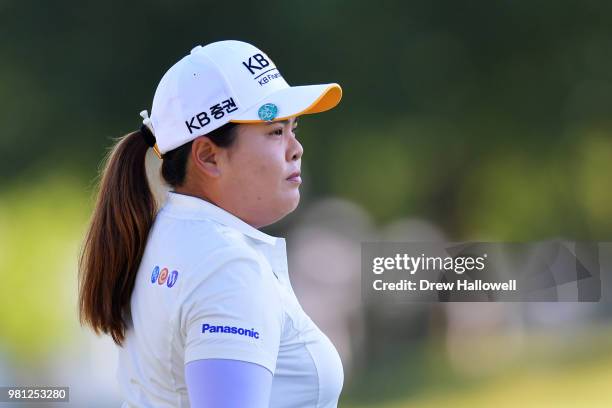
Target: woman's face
x,y
255,181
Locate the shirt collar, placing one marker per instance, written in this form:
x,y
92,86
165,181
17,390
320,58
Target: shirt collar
x,y
199,208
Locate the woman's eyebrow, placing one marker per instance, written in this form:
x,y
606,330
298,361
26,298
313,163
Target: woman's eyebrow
x,y
283,122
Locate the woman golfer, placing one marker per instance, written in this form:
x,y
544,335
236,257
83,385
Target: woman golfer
x,y
198,298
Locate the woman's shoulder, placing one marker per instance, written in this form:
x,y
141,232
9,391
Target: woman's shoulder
x,y
201,243
228,263
203,233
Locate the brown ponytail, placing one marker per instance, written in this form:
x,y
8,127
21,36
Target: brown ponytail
x,y
115,241
124,213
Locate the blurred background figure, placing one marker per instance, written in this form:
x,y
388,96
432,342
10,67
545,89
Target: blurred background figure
x,y
326,250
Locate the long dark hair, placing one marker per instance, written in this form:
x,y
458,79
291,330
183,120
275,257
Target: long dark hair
x,y
124,213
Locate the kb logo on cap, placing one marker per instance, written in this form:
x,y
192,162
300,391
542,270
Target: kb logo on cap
x,y
257,62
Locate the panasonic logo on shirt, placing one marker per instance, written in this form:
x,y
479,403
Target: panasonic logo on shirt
x,y
230,329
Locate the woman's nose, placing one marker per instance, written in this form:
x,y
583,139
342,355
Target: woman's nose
x,y
295,150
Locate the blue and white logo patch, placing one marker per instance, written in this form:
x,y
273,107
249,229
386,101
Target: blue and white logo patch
x,y
267,112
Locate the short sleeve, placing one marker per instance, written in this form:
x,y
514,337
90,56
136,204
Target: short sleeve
x,y
234,313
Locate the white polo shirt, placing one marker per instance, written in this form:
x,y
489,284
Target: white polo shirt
x,y
211,286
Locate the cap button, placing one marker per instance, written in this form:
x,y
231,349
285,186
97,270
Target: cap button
x,y
196,48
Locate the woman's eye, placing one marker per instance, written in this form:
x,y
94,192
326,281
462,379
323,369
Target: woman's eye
x,y
277,132
295,129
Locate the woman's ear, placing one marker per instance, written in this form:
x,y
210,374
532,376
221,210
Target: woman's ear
x,y
205,154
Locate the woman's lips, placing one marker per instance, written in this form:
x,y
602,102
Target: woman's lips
x,y
295,177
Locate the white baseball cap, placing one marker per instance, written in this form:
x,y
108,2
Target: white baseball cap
x,y
227,81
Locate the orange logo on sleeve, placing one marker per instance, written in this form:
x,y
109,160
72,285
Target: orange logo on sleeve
x,y
163,275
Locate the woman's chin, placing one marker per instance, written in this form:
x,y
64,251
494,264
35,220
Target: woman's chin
x,y
293,200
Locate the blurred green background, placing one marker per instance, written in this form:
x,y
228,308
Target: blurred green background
x,y
484,120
